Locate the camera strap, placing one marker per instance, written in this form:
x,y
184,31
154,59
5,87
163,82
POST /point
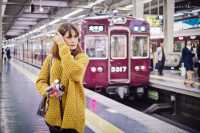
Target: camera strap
x,y
60,97
61,108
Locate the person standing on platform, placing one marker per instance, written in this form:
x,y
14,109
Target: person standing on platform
x,y
151,57
160,59
187,59
68,65
8,54
198,56
2,53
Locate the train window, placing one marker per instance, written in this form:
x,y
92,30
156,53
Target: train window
x,y
47,45
140,46
37,55
96,46
118,46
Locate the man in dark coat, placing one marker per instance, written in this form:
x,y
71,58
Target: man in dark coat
x,y
8,53
198,56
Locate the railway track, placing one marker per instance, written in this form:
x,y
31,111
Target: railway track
x,y
168,115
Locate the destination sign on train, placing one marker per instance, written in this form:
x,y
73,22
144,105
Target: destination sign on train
x,y
96,28
118,20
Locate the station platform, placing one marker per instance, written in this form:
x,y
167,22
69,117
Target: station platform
x,y
172,81
19,100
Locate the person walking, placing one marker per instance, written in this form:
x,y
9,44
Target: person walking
x,y
8,54
187,59
160,59
68,65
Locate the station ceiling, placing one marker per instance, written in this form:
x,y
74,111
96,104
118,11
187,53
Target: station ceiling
x,y
21,16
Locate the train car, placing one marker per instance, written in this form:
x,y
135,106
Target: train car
x,y
118,49
33,49
181,38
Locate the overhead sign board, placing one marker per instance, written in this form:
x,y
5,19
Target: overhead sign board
x,y
153,21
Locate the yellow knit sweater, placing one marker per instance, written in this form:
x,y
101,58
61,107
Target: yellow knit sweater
x,y
70,71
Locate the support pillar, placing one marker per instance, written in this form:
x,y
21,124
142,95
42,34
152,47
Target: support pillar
x,y
1,42
168,20
138,8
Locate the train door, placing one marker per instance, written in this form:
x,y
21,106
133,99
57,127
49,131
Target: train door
x,y
119,61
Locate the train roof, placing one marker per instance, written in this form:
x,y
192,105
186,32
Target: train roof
x,y
109,16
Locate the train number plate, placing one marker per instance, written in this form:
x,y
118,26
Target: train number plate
x,y
119,69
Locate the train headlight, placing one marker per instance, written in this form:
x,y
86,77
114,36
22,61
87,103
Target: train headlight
x,y
192,37
137,68
142,68
142,28
93,69
100,69
180,38
136,28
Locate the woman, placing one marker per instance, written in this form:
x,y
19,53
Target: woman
x,y
68,64
187,58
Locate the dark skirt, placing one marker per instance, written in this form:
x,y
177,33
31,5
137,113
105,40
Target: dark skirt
x,y
188,67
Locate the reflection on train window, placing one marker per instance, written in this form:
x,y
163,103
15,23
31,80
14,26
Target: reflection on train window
x,y
47,46
29,51
118,46
37,56
140,46
96,46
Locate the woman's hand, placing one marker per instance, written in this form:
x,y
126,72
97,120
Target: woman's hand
x,y
62,45
52,91
58,39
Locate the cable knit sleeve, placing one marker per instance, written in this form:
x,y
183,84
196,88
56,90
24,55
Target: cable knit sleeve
x,y
73,67
42,80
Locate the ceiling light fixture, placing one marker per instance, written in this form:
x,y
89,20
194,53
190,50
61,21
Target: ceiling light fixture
x,y
64,17
41,9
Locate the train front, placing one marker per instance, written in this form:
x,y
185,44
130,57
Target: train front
x,y
118,48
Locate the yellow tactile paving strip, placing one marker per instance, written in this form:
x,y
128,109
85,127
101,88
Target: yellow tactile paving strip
x,y
93,121
100,125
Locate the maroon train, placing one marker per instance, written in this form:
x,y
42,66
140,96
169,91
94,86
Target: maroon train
x,y
118,49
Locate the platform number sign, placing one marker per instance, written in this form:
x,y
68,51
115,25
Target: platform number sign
x,y
96,28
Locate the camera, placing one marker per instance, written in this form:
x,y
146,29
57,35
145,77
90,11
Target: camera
x,y
56,89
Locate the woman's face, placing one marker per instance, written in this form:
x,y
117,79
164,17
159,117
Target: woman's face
x,y
71,41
